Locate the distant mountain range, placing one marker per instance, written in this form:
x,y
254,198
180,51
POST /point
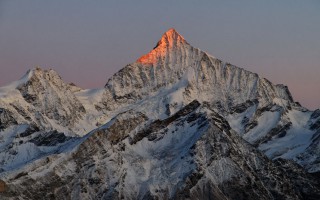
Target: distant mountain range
x,y
176,124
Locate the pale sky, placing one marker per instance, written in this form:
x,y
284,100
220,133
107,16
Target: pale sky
x,y
87,41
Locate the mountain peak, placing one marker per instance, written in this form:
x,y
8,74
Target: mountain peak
x,y
169,41
171,31
40,73
170,37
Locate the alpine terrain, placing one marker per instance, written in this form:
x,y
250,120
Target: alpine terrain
x,y
176,124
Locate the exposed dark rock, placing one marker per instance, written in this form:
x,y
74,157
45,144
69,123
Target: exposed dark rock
x,y
168,112
240,108
279,131
315,114
250,125
51,138
315,125
264,109
22,112
6,119
30,130
122,127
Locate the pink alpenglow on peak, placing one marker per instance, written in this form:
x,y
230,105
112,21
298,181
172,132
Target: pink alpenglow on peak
x,y
169,41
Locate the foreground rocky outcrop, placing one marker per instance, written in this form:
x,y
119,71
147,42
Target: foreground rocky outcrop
x,y
193,154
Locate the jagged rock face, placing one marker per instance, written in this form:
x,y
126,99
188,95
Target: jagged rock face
x,y
52,97
6,119
41,98
36,110
174,64
193,154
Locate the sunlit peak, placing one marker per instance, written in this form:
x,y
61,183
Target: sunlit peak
x,y
170,40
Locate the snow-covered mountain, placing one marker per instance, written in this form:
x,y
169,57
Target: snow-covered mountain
x,y
174,73
40,98
38,113
176,124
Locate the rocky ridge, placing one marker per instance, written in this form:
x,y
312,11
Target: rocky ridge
x,y
194,154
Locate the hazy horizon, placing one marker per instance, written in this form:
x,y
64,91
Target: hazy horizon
x,y
86,42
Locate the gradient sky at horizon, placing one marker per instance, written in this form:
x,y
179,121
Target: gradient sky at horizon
x,y
87,41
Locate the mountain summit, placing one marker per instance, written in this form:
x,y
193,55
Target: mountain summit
x,y
173,63
170,41
176,124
